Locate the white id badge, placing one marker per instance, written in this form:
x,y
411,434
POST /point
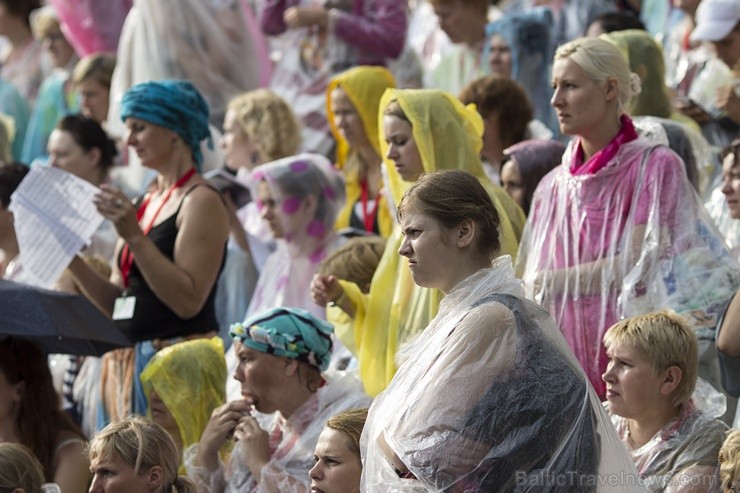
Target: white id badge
x,y
124,307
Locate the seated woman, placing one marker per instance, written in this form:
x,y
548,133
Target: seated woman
x,y
20,471
31,414
282,353
525,164
488,397
729,462
80,146
135,454
672,436
337,465
507,118
184,383
423,131
352,104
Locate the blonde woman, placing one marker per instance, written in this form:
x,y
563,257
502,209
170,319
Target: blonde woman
x,y
135,454
259,127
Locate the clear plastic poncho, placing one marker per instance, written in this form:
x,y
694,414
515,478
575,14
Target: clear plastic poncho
x,y
490,398
684,452
309,235
448,136
190,378
292,458
215,44
629,239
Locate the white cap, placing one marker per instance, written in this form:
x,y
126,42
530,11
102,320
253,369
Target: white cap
x,y
715,19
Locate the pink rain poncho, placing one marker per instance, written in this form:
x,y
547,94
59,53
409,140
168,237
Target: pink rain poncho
x,y
628,239
490,399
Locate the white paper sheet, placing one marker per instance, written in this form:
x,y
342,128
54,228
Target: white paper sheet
x,y
54,218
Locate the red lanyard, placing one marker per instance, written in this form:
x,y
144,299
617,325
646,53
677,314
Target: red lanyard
x,y
127,256
368,217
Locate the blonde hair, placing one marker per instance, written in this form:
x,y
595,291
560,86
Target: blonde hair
x,y
19,468
268,120
44,21
729,458
98,67
355,261
601,60
142,444
350,424
666,340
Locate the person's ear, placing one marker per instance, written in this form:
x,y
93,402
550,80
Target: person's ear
x,y
291,367
18,389
612,89
465,232
155,478
94,155
672,377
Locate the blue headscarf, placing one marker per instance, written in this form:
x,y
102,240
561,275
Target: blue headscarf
x,y
529,38
287,332
173,104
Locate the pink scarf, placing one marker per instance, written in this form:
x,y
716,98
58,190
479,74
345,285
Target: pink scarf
x,y
600,159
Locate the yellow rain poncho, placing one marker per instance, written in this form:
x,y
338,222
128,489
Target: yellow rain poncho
x,y
190,378
448,136
364,86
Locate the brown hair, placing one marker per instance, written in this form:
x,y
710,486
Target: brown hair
x,y
451,197
355,261
501,95
22,8
19,469
479,5
39,418
350,424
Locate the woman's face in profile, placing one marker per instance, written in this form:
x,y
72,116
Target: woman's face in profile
x,y
337,469
402,149
9,399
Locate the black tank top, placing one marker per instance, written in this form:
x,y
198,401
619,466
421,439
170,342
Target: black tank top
x,y
153,319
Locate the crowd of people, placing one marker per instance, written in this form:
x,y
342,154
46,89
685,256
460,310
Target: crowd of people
x,y
380,246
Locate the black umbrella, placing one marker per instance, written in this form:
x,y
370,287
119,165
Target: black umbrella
x,y
57,322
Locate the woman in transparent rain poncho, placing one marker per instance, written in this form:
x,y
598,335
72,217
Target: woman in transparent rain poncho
x,y
616,230
664,415
283,353
422,131
488,397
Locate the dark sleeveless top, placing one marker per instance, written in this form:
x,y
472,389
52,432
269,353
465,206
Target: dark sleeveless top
x,y
153,319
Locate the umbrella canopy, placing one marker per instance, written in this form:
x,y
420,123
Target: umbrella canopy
x,y
57,322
